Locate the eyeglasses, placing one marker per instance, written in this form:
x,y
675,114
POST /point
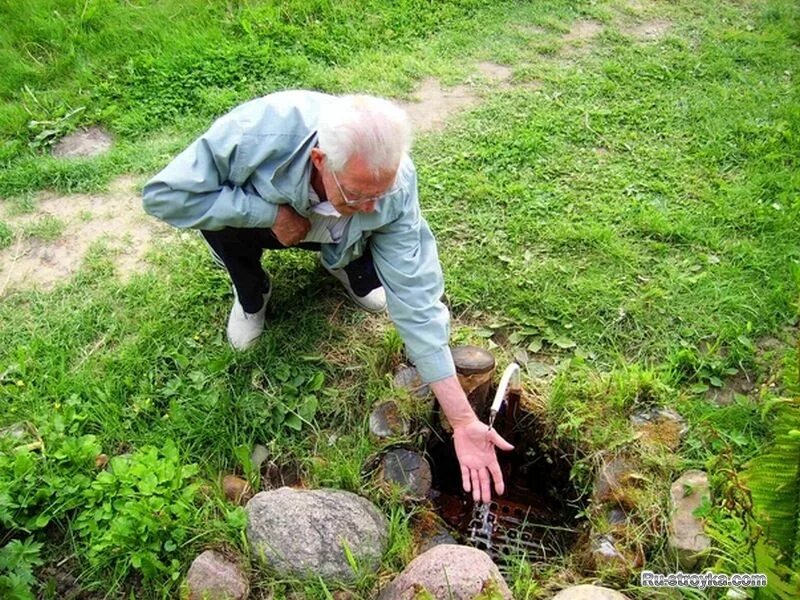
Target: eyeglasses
x,y
360,201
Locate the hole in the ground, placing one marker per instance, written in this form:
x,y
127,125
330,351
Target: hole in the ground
x,y
535,517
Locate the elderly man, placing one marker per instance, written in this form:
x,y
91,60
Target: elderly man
x,y
331,174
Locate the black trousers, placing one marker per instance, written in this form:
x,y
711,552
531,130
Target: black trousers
x,y
240,251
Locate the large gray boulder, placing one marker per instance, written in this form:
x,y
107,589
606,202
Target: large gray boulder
x,y
687,536
448,572
305,532
588,592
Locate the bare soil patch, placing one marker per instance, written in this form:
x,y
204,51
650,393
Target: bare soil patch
x,y
651,30
116,217
435,104
495,72
582,31
86,142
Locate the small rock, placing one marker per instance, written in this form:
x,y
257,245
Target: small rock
x,y
660,425
614,480
386,420
437,539
236,489
429,530
617,516
408,378
604,551
302,532
409,470
16,432
258,456
687,536
588,592
86,142
213,577
448,572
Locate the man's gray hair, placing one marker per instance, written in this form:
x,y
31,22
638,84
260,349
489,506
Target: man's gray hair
x,y
374,129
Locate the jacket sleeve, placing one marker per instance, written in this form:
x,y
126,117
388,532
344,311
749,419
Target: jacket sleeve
x,y
201,187
407,263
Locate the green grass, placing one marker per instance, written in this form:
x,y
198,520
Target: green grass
x,y
47,228
633,219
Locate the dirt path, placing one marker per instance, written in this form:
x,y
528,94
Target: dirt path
x,y
115,218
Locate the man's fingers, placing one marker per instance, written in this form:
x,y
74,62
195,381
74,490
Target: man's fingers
x,y
497,476
486,485
498,441
476,485
465,478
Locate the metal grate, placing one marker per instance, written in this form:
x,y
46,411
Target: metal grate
x,y
504,529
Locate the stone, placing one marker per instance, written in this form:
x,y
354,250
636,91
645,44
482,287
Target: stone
x,y
86,142
604,552
407,378
660,426
236,489
686,534
437,539
616,516
305,532
386,420
16,432
213,577
588,592
448,572
613,481
258,456
100,461
408,469
429,530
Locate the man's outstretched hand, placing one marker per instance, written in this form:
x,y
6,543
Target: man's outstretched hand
x,y
475,448
476,445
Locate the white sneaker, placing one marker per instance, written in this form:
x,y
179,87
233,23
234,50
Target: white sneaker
x,y
374,302
245,328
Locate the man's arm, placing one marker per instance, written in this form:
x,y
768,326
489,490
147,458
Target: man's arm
x,y
407,263
201,187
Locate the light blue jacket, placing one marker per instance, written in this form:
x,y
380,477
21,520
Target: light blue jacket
x,y
257,157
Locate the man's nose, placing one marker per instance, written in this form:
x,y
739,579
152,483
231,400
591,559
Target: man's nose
x,y
367,207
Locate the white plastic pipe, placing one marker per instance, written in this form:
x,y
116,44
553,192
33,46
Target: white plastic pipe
x,y
509,380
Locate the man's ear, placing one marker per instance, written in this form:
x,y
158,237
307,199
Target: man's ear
x,y
317,158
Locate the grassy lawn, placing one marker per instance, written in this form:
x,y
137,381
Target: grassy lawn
x,y
624,210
